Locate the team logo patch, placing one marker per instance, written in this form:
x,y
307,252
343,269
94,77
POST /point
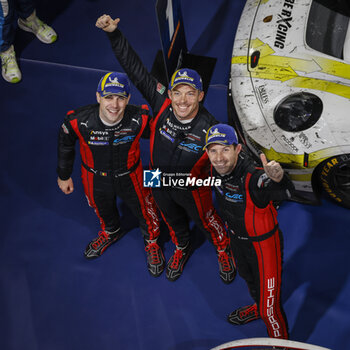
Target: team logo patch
x,y
125,139
215,133
234,197
190,147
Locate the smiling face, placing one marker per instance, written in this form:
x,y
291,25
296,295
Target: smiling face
x,y
223,157
112,107
185,101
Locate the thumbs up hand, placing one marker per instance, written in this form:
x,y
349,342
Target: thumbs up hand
x,y
272,169
106,23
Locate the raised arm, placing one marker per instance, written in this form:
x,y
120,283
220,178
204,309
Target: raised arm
x,y
270,184
106,23
151,89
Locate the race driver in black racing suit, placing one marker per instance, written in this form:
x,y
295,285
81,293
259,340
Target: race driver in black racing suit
x,y
177,138
108,135
245,202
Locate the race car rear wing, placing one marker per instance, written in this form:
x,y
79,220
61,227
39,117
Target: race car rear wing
x,y
174,54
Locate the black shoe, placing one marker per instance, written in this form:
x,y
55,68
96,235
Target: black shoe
x,y
98,245
244,315
177,262
155,258
227,265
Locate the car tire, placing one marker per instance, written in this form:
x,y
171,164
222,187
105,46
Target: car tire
x,y
334,176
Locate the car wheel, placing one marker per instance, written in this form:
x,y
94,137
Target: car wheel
x,y
334,175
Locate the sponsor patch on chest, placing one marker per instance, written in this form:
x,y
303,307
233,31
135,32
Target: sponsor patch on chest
x,y
234,197
98,143
190,147
123,139
166,134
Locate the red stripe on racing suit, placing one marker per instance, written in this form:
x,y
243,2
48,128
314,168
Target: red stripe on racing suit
x,y
153,124
203,197
260,221
245,202
86,176
147,203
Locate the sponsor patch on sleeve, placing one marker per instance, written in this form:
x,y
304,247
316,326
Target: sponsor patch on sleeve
x,y
65,130
160,88
263,181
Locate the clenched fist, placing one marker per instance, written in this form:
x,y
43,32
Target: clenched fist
x,y
106,23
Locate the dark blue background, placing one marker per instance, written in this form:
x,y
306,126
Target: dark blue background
x,y
51,298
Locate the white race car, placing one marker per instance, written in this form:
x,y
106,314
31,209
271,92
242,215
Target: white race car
x,y
290,84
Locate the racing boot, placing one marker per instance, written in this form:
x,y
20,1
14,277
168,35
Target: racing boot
x,y
227,265
98,245
177,262
155,258
34,25
244,315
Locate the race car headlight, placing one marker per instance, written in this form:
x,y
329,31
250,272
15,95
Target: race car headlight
x,y
298,112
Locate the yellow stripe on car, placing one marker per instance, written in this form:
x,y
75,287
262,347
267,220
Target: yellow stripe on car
x,y
321,85
296,161
336,68
279,68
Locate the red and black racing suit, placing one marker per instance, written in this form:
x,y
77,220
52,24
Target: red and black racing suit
x,y
175,148
111,164
245,203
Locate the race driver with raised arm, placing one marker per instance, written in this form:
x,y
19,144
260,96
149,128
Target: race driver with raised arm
x,y
177,138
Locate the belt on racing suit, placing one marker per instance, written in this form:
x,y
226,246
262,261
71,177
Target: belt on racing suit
x,y
256,238
111,173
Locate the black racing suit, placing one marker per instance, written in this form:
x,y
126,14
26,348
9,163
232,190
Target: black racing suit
x,y
111,164
175,147
245,203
